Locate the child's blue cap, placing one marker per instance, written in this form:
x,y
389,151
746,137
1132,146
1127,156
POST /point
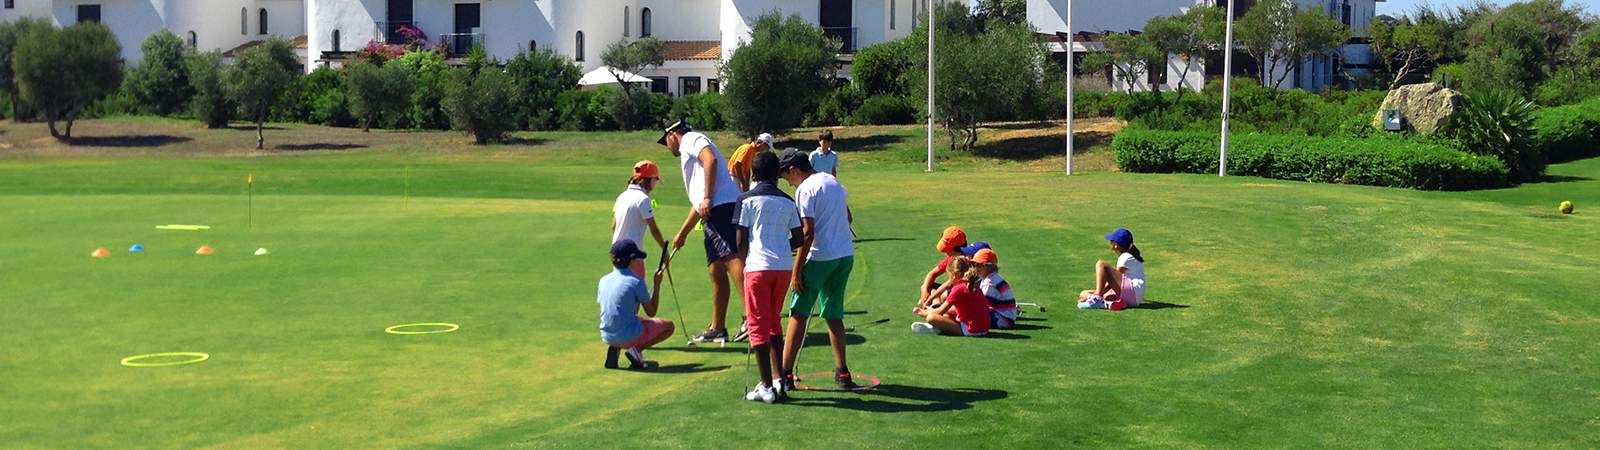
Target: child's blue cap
x,y
972,250
626,250
1122,237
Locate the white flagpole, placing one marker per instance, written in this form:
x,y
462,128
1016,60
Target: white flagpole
x,y
1227,85
1070,81
931,31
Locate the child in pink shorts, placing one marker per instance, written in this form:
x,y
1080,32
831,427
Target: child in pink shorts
x,y
769,229
1117,287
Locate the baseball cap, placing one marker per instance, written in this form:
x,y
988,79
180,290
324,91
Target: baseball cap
x,y
765,138
626,250
986,256
794,159
952,239
681,123
647,169
1122,237
972,250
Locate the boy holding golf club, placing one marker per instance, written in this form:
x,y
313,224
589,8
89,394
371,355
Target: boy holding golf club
x,y
769,229
822,263
620,296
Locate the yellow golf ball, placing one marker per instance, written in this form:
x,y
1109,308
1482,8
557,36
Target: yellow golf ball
x,y
1566,207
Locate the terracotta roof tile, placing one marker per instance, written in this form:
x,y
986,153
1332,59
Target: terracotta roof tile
x,y
299,43
692,50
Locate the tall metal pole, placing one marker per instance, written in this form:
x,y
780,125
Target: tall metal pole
x,y
1227,85
1071,55
932,30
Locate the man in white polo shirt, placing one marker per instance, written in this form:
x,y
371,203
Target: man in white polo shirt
x,y
715,198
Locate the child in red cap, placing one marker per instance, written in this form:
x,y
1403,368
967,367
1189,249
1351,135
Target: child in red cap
x,y
633,211
950,244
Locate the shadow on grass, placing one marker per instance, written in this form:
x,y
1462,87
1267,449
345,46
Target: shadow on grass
x,y
1560,179
850,144
1007,336
1027,327
820,339
1037,147
867,240
522,141
317,146
252,127
687,368
128,141
896,398
1159,305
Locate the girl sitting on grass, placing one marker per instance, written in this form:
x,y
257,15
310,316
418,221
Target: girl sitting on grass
x,y
1120,287
965,311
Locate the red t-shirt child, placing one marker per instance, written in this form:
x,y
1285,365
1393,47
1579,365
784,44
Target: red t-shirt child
x,y
971,308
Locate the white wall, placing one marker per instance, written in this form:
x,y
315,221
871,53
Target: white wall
x,y
1049,16
738,15
681,20
130,20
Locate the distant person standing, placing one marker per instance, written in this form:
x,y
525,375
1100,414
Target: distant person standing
x,y
822,263
715,200
739,165
824,159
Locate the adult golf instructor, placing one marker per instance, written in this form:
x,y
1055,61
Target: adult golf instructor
x,y
715,200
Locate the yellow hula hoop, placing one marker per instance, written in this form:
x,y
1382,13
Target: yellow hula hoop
x,y
447,327
132,361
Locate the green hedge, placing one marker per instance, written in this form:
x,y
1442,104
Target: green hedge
x,y
1567,133
1376,162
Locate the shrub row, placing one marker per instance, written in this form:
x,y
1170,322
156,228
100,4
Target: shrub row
x,y
1376,162
1567,133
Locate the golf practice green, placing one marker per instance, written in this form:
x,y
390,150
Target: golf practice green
x,y
443,328
195,357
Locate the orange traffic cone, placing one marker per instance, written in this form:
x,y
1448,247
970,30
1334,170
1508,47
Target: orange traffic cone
x,y
204,250
100,253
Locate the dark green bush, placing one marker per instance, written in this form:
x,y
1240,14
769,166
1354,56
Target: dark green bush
x,y
1567,133
482,105
704,111
210,102
584,111
1376,162
836,107
886,110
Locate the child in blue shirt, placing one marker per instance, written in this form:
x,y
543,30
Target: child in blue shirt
x,y
621,293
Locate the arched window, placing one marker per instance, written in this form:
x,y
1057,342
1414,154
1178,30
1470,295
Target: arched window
x,y
194,40
533,46
263,26
627,22
644,22
336,40
244,20
1344,13
577,52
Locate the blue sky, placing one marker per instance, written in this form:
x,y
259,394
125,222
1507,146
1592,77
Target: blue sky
x,y
1401,7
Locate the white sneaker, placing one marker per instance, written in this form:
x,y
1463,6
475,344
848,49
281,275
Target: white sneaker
x,y
764,394
924,328
778,388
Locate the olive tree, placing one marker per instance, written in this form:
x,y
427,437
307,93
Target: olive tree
x,y
376,91
258,78
11,34
61,72
1279,35
160,83
770,81
621,58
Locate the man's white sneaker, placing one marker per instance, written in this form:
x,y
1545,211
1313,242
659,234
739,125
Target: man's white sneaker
x,y
764,394
924,328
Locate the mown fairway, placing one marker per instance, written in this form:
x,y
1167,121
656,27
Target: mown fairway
x,y
1291,314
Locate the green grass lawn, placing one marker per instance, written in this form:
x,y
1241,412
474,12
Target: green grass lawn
x,y
1295,314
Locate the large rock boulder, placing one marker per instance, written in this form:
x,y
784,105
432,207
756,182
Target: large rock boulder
x,y
1426,107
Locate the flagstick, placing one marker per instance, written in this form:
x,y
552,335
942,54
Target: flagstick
x,y
250,200
407,202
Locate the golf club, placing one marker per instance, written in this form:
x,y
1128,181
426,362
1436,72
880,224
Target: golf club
x,y
666,267
868,325
1036,305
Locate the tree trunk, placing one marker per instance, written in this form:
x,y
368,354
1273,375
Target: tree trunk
x,y
16,107
366,125
68,133
481,138
261,138
53,132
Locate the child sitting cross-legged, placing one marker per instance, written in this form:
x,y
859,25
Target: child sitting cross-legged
x,y
1002,302
965,311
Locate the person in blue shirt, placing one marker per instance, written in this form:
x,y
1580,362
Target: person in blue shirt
x,y
621,293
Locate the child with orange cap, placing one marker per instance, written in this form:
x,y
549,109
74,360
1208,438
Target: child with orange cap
x,y
950,243
633,211
1002,302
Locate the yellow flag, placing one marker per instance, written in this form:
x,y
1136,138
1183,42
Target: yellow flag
x,y
250,179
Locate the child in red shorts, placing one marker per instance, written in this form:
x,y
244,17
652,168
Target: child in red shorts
x,y
769,229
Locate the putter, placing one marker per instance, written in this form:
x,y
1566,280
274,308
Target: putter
x,y
1036,305
868,325
667,268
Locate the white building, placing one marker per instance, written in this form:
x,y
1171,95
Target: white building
x,y
204,24
1094,18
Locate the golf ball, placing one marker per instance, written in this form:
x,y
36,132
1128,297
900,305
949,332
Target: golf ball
x,y
1566,207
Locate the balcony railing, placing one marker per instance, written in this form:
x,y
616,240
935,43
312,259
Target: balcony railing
x,y
460,43
845,35
389,31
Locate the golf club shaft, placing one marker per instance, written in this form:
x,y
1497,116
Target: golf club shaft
x,y
667,267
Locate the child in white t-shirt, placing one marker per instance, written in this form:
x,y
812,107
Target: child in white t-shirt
x,y
1121,286
769,229
634,211
1002,301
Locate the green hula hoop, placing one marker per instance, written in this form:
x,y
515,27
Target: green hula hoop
x,y
132,361
447,327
